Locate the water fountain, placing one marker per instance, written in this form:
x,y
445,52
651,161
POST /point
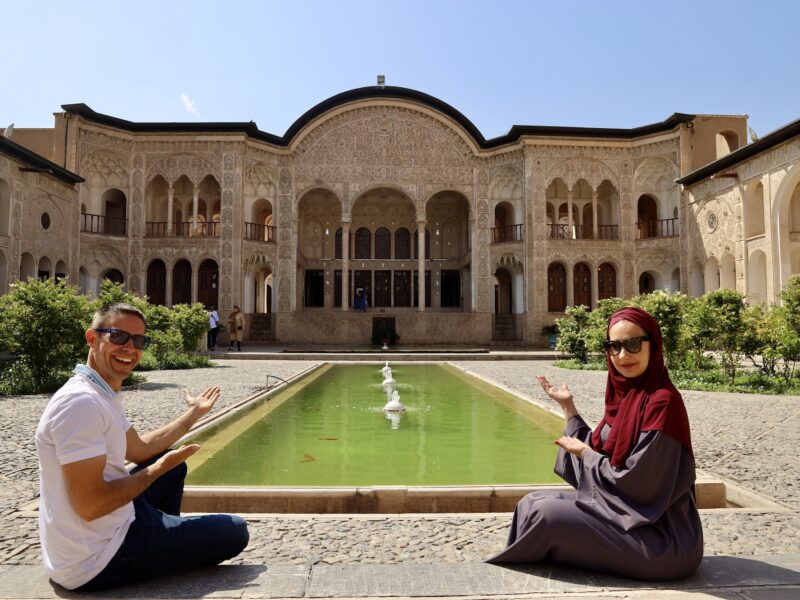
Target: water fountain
x,y
393,406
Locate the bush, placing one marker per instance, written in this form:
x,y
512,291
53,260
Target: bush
x,y
575,333
43,323
191,321
667,308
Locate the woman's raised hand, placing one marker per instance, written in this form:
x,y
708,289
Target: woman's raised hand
x,y
561,395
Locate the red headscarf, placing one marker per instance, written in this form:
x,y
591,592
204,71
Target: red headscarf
x,y
648,402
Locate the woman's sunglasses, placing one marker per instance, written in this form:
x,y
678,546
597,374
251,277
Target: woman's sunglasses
x,y
631,345
119,337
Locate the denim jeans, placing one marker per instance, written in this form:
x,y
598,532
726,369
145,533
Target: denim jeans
x,y
161,542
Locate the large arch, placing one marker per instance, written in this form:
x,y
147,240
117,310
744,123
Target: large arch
x,y
182,282
156,285
27,266
556,287
727,272
320,214
757,277
582,285
208,283
45,268
606,281
754,210
711,275
115,212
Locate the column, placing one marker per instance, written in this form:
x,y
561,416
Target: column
x,y
195,198
168,283
195,282
594,214
345,264
570,222
421,264
248,305
571,285
170,208
595,285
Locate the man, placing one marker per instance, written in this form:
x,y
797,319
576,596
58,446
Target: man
x,y
99,525
213,327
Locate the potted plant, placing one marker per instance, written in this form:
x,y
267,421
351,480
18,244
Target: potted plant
x,y
551,333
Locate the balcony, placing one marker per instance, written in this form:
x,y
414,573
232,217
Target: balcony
x,y
103,225
657,229
582,232
259,233
181,229
509,233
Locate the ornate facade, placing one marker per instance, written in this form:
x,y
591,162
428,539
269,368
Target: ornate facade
x,y
393,195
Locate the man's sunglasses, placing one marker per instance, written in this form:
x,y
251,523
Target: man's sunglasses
x,y
631,345
119,337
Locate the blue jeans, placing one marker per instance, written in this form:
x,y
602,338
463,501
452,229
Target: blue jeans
x,y
161,542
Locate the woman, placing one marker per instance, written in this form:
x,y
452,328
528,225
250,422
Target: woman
x,y
634,513
236,327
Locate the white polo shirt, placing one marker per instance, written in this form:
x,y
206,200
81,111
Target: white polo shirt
x,y
85,418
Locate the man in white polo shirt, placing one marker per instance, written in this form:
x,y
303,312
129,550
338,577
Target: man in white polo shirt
x,y
99,525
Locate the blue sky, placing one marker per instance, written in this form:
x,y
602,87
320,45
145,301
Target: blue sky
x,y
584,63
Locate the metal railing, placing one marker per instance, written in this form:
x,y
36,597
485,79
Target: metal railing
x,y
509,233
258,232
657,229
103,224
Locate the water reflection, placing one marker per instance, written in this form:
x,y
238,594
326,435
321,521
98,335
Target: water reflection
x,y
394,417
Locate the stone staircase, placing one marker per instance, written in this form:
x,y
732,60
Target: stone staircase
x,y
261,328
504,330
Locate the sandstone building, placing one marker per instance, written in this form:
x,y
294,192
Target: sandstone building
x,y
387,190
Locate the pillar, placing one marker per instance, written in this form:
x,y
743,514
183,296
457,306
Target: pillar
x,y
345,264
421,264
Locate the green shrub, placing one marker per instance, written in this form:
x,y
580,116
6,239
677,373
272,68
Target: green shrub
x,y
574,333
43,323
192,323
667,308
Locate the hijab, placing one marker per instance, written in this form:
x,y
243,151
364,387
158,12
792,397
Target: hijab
x,y
649,402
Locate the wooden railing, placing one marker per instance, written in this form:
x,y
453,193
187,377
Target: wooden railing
x,y
103,224
582,232
181,229
258,232
509,233
657,229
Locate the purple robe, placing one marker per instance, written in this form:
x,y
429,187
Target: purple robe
x,y
638,521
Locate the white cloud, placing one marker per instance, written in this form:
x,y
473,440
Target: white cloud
x,y
189,105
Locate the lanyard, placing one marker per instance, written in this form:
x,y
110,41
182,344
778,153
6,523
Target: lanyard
x,y
92,374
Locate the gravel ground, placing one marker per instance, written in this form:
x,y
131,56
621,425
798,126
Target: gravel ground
x,y
751,439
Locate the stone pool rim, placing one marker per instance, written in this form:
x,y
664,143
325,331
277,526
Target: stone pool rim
x,y
713,492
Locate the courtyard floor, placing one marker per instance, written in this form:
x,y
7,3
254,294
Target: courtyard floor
x,y
749,439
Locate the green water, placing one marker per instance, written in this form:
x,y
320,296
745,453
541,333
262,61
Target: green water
x,y
330,430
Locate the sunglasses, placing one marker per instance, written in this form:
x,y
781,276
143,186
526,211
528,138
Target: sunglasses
x,y
119,337
631,345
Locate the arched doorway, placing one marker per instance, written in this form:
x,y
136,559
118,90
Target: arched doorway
x,y
647,283
647,216
27,267
182,282
556,288
114,276
115,211
157,282
3,272
582,285
208,283
606,281
757,278
45,270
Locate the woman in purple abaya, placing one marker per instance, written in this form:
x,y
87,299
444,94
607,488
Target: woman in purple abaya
x,y
633,512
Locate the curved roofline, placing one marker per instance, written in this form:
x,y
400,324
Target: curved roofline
x,y
250,128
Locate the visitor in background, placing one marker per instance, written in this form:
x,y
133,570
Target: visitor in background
x,y
361,300
213,327
634,511
236,327
99,525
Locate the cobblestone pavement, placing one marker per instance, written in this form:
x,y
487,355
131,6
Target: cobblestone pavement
x,y
751,439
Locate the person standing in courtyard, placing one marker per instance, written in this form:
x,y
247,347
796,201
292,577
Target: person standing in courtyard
x,y
101,526
634,511
213,327
236,327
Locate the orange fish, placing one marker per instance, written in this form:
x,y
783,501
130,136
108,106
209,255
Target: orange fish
x,y
329,439
308,458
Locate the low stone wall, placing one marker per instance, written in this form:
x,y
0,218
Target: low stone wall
x,y
426,328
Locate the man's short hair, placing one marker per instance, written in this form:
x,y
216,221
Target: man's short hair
x,y
109,311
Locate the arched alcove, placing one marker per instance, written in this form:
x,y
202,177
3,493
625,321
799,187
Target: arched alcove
x,y
757,278
157,282
556,287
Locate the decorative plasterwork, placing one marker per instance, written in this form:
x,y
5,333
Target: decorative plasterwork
x,y
593,171
174,166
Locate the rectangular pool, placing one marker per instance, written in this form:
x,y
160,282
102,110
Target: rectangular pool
x,y
329,429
